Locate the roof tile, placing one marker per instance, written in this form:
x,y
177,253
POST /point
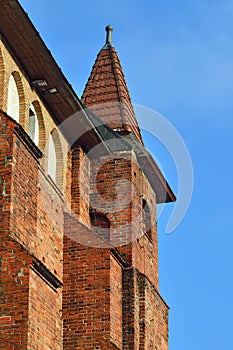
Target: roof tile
x,y
105,86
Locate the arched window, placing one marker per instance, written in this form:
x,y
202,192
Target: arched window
x,y
13,100
100,225
55,158
52,158
33,125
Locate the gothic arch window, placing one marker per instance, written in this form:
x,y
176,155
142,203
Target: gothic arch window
x,y
52,158
55,159
35,110
13,99
33,125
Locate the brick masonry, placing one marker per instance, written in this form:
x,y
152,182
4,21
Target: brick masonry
x,y
78,256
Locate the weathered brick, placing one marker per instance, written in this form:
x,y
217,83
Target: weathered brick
x,y
78,255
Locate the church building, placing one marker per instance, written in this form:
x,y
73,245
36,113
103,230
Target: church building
x,y
78,195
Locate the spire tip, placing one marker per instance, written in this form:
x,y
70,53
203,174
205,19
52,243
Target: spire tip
x,y
109,29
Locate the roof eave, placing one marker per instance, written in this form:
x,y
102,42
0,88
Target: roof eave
x,y
37,62
164,193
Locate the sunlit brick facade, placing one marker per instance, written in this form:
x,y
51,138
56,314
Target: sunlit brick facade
x,y
78,195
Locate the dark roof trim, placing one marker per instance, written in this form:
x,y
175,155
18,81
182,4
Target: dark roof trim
x,y
162,189
151,170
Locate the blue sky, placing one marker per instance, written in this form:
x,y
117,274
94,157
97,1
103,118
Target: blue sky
x,y
178,60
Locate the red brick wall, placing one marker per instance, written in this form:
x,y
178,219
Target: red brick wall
x,y
116,302
31,229
14,260
6,146
117,180
109,301
14,287
86,291
80,174
153,317
111,194
45,322
145,314
36,219
130,309
118,190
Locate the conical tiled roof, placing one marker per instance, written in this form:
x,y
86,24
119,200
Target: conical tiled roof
x,y
106,92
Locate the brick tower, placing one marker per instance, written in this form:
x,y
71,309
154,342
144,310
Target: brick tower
x,y
78,238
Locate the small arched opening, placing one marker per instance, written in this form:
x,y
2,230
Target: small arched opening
x,y
100,225
36,125
146,219
33,125
55,159
16,99
13,99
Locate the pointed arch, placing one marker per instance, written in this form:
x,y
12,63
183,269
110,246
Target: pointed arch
x,y
33,125
55,158
52,158
16,98
35,107
13,99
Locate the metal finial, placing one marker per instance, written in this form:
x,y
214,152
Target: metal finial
x,y
108,43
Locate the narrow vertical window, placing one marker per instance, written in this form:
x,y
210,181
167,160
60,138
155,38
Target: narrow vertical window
x,y
33,125
146,219
13,100
52,159
101,225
